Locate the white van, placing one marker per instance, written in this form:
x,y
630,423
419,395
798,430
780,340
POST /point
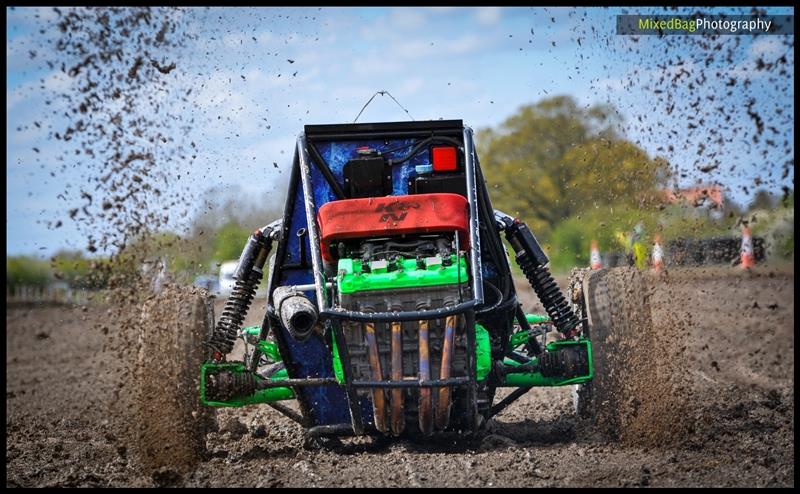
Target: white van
x,y
226,280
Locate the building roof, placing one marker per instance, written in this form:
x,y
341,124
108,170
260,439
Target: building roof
x,y
697,196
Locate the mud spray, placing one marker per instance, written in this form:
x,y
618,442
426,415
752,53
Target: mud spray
x,y
638,395
121,132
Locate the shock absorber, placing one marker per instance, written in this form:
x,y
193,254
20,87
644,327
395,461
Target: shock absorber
x,y
248,274
228,385
533,262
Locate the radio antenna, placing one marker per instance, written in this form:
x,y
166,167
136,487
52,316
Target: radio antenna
x,y
382,93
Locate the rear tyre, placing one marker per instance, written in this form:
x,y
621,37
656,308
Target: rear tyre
x,y
171,422
619,326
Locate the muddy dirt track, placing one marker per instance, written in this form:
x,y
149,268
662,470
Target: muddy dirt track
x,y
730,333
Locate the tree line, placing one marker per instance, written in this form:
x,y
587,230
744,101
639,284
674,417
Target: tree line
x,y
567,170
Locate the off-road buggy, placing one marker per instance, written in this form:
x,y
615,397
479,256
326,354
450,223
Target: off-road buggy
x,y
391,308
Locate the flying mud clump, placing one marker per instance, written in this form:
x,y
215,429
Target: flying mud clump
x,y
125,135
123,132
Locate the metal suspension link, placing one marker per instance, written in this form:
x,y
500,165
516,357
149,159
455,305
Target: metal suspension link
x,y
248,274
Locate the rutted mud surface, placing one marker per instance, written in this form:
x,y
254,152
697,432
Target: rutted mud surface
x,y
727,335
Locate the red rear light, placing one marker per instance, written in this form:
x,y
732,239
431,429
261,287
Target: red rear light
x,y
444,159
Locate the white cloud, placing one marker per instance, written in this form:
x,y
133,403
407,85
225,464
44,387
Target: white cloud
x,y
376,63
270,150
412,49
15,97
410,86
488,16
766,46
263,38
237,40
407,18
465,44
402,53
301,40
30,17
397,24
57,82
610,84
18,56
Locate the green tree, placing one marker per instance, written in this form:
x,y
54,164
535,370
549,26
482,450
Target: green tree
x,y
229,240
787,201
70,266
553,160
226,219
26,270
764,200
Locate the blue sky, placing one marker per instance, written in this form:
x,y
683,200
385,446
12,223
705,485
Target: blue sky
x,y
477,64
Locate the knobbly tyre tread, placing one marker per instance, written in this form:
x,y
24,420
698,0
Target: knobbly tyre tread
x,y
171,422
620,329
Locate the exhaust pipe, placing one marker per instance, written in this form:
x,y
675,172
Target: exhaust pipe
x,y
378,394
425,394
398,421
296,312
443,406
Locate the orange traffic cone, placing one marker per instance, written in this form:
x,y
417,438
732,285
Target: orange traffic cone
x,y
658,255
595,261
748,258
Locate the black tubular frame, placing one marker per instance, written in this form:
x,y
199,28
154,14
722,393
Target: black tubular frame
x,y
331,430
301,382
412,315
267,322
323,167
347,369
511,398
283,409
332,317
432,383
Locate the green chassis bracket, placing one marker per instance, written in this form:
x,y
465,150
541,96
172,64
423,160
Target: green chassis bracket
x,y
266,347
537,318
352,278
525,379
